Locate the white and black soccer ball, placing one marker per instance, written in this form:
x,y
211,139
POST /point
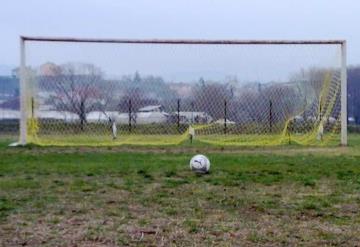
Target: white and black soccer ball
x,y
200,164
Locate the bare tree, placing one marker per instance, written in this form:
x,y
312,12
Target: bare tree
x,y
77,88
210,98
137,98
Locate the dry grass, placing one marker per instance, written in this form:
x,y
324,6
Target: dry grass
x,y
78,197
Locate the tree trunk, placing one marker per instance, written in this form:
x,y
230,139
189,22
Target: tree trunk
x,y
82,115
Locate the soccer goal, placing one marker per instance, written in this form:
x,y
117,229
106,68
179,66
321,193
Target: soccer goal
x,y
182,92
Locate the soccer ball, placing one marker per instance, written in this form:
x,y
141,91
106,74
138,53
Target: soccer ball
x,y
200,164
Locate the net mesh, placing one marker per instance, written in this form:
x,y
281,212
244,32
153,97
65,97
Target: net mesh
x,y
174,94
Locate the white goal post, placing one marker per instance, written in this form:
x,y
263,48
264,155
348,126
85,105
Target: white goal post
x,y
24,80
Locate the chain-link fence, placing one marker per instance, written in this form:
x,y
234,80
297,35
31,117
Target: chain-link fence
x,y
92,93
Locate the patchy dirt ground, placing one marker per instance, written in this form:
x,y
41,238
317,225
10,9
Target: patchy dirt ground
x,y
87,197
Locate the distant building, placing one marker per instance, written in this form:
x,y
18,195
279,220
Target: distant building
x,y
146,115
222,121
152,108
351,120
192,117
50,69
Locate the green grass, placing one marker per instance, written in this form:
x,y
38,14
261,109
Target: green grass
x,y
148,197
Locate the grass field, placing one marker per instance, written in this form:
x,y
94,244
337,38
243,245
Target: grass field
x,y
142,196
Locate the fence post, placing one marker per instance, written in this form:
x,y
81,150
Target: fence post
x,y
225,116
178,114
129,115
32,107
270,115
192,112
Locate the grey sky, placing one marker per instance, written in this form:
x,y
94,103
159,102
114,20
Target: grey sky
x,y
205,19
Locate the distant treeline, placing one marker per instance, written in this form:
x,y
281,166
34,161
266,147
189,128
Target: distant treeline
x,y
354,93
9,94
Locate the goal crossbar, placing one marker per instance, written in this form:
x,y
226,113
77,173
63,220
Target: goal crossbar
x,y
186,41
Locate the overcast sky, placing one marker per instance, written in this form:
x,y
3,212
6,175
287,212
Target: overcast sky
x,y
204,19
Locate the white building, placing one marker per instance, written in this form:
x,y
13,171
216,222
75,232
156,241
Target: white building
x,y
146,115
222,121
194,117
152,108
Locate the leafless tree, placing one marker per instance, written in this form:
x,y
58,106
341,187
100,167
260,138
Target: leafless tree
x,y
210,98
77,88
